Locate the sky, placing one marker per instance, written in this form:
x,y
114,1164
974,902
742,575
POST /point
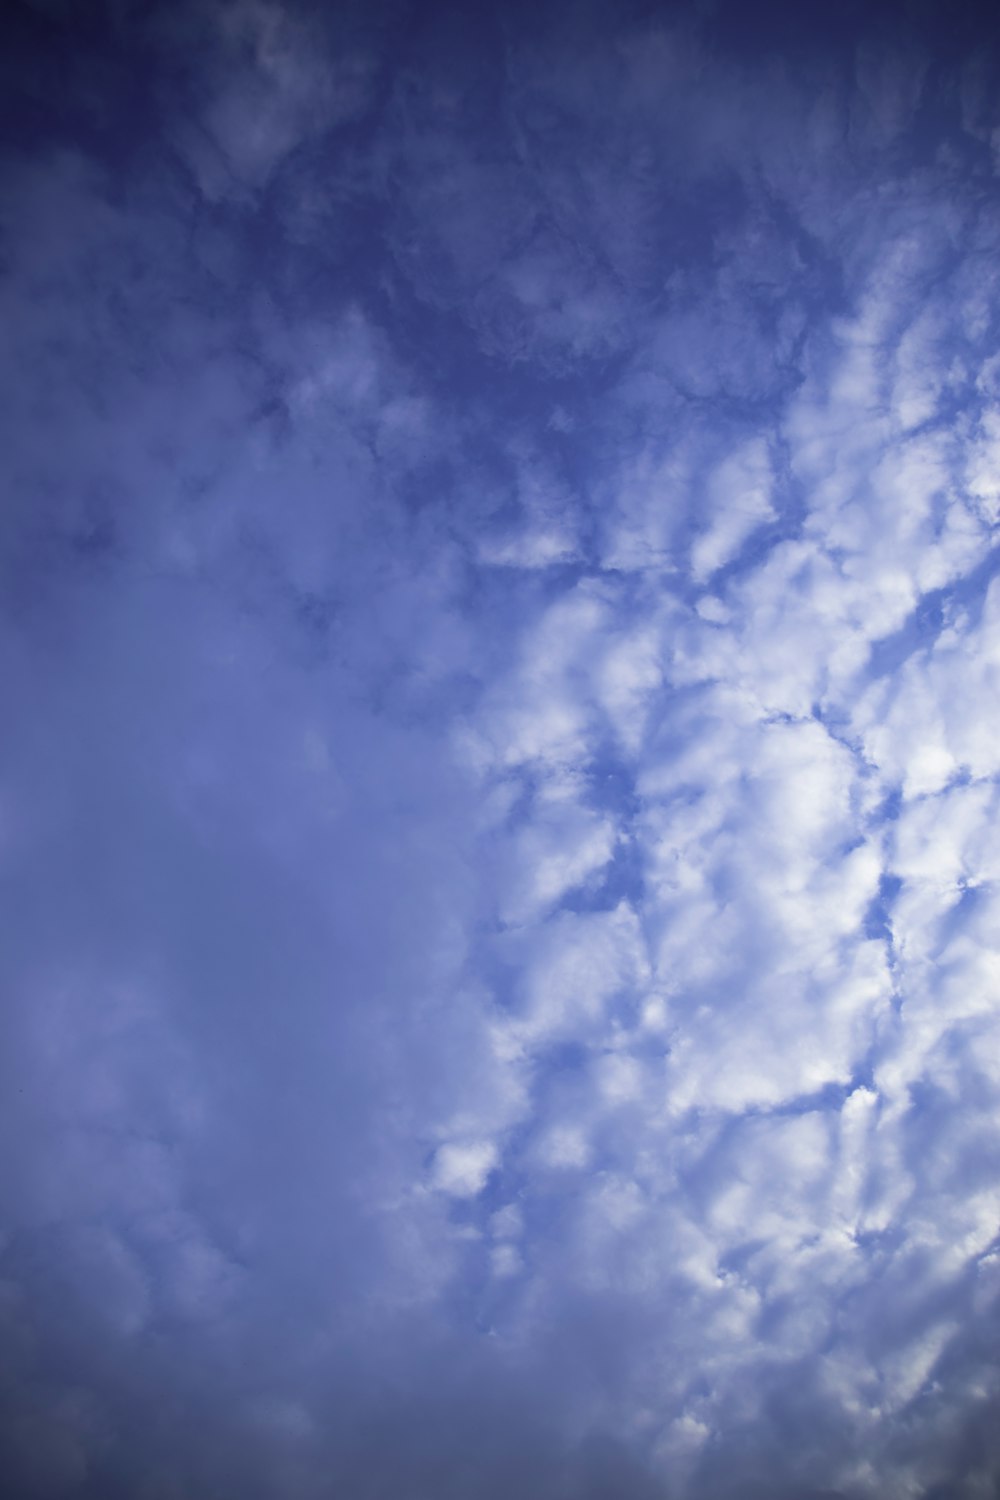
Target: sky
x,y
499,653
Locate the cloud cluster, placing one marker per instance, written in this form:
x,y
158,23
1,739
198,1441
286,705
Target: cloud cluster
x,y
500,625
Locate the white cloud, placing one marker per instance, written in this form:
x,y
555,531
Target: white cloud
x,y
738,496
572,970
461,1168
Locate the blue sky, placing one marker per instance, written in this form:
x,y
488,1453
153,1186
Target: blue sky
x,y
500,645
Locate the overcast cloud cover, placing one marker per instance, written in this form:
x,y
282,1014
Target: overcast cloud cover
x,y
500,649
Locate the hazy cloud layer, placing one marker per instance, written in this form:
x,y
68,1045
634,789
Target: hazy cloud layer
x,y
500,641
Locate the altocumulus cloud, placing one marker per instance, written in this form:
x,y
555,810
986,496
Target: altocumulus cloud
x,y
500,646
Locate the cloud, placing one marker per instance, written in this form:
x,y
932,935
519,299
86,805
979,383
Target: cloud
x,y
499,620
267,85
